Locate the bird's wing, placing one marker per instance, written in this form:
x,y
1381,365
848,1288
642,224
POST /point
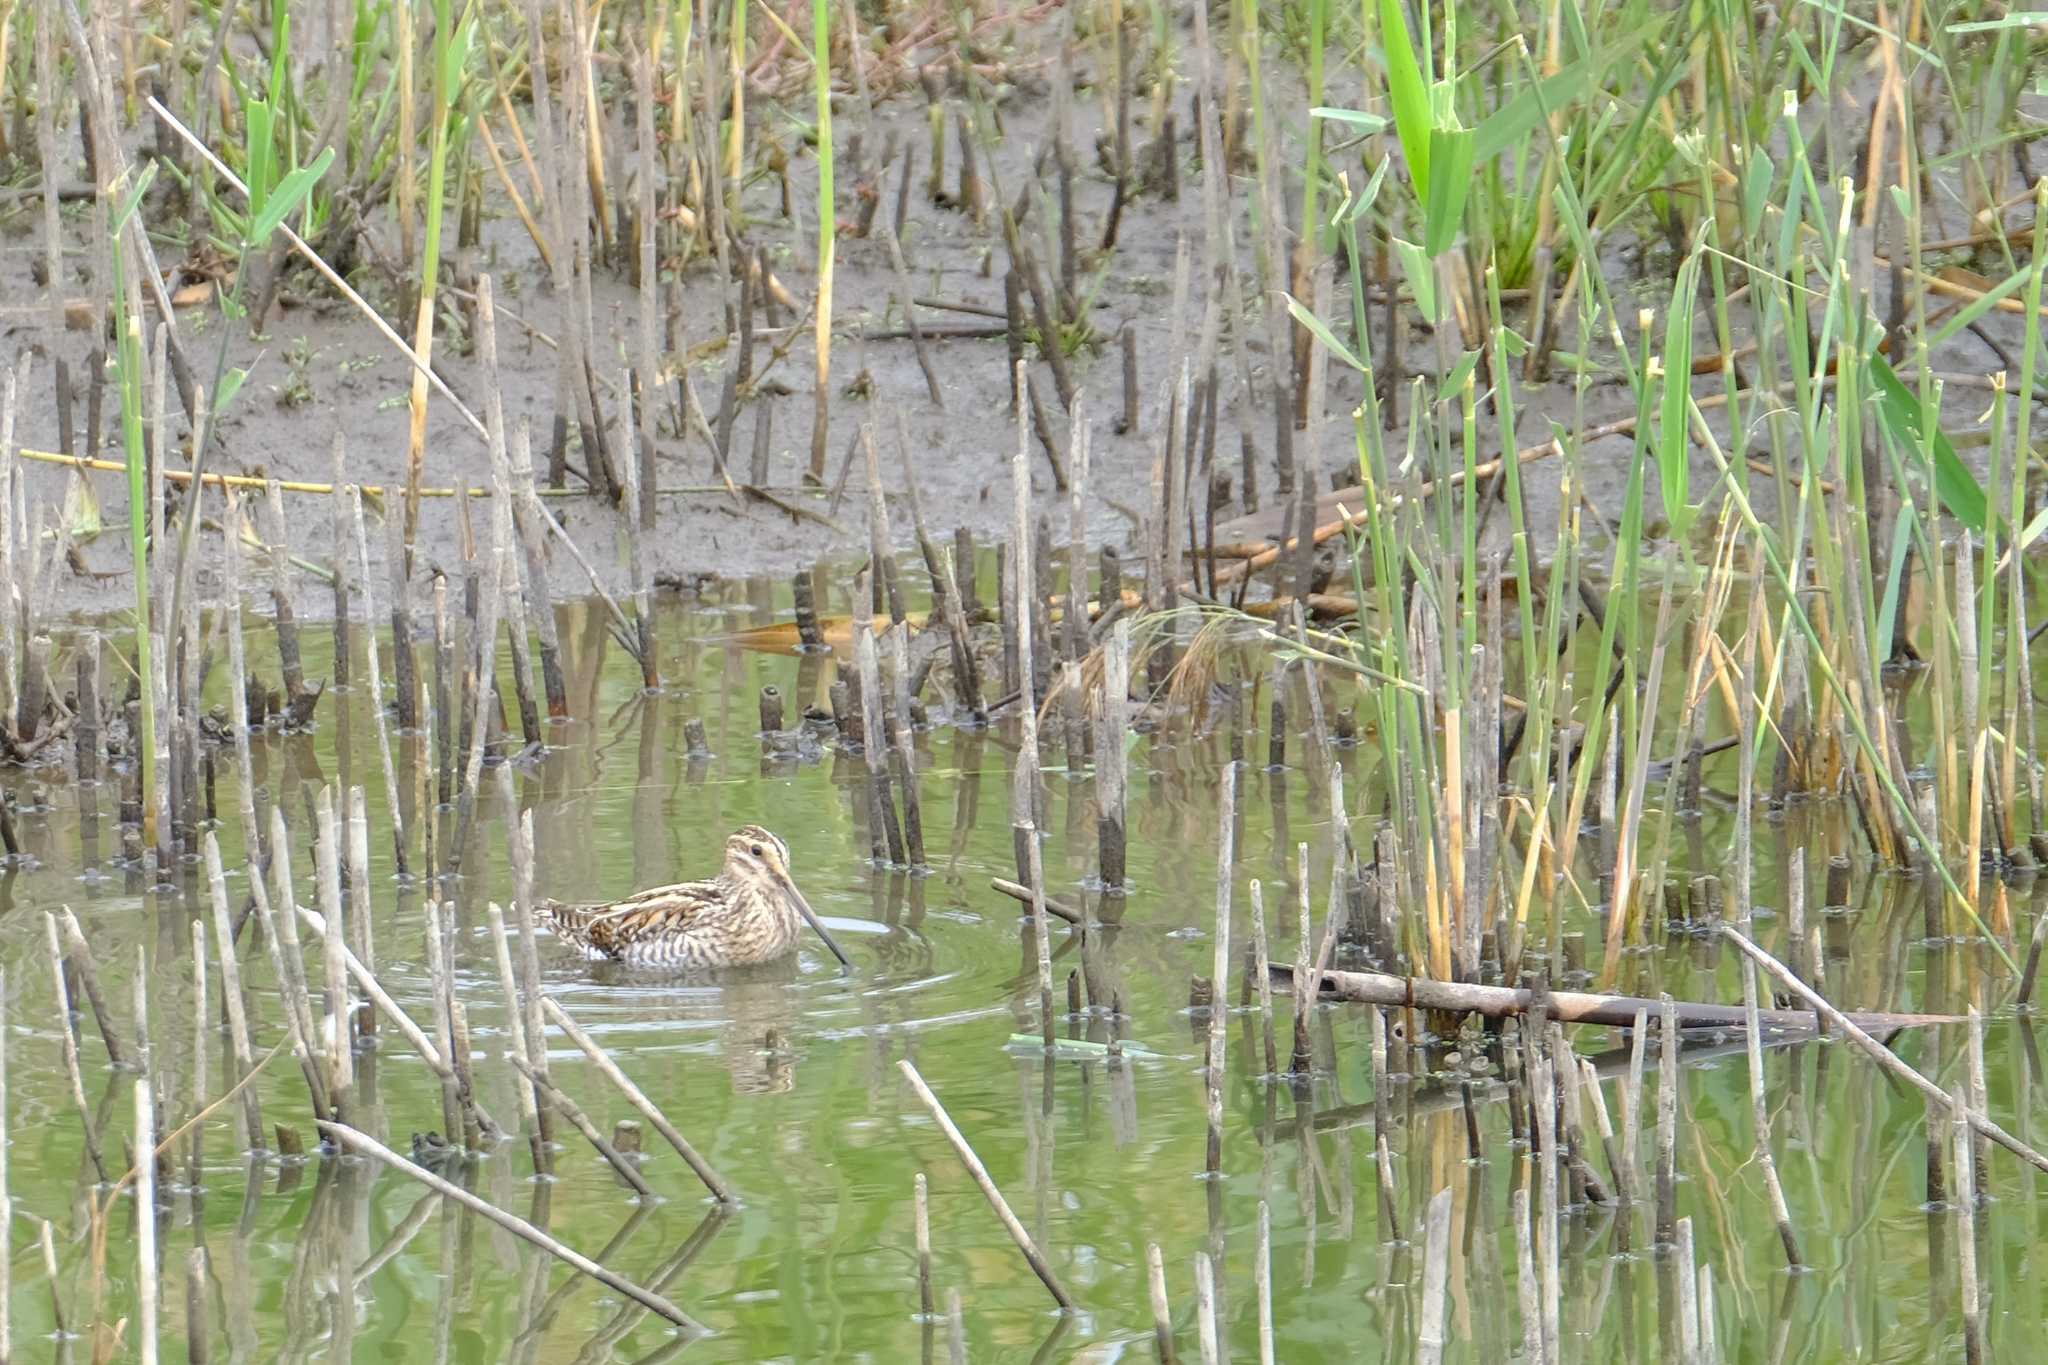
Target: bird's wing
x,y
610,927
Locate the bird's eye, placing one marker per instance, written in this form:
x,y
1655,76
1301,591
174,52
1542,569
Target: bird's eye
x,y
755,850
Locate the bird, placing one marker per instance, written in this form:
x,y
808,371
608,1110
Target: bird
x,y
751,912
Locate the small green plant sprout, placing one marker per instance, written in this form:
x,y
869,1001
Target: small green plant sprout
x,y
297,389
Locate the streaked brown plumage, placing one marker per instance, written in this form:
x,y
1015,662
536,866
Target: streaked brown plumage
x,y
750,912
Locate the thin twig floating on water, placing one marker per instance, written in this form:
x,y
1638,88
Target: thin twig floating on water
x,y
1039,1265
362,1142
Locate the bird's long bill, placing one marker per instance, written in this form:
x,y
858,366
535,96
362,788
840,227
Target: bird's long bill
x,y
811,918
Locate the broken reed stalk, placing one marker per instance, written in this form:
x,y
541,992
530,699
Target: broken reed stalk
x,y
1884,1057
515,1011
480,688
362,1142
279,551
1542,1100
1761,1115
1436,1267
442,993
713,1182
903,744
231,994
821,71
279,913
1024,783
519,836
1112,759
1205,1308
71,1067
197,1349
527,521
201,1029
145,1172
49,1245
580,1121
1303,973
1684,1260
1162,1306
1667,1124
885,834
340,1038
1017,891
363,943
1262,971
405,670
1032,1255
1219,1009
945,588
1262,1279
1965,1204
920,1212
2032,972
343,578
1528,1297
364,978
79,955
6,1199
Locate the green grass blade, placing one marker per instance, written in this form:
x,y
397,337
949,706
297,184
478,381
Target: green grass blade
x,y
1408,93
1899,408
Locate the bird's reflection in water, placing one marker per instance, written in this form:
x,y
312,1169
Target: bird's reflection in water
x,y
756,1010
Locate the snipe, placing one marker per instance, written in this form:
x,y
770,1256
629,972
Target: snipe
x,y
750,912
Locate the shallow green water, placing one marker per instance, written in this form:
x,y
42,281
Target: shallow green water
x,y
787,1081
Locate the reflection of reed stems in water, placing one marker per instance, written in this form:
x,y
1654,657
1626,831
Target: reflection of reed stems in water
x,y
1162,1306
6,1197
1965,1205
339,1037
580,1121
368,1146
538,1313
1219,1004
1436,1266
1032,1254
638,1099
49,1246
1761,1116
920,1206
601,1343
1885,1058
1669,1091
198,1349
1205,1308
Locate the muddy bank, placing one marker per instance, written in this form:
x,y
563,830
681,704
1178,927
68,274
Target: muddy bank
x,y
318,373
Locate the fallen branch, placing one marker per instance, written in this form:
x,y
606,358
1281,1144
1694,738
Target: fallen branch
x,y
1570,1007
1020,892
